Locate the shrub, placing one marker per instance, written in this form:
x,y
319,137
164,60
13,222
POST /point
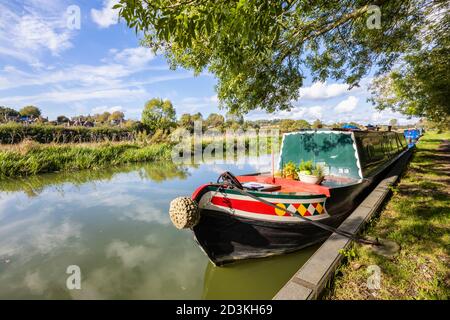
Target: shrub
x,y
11,133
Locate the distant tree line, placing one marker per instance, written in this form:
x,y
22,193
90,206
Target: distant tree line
x,y
158,121
32,114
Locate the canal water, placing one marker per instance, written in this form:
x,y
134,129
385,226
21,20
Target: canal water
x,y
113,224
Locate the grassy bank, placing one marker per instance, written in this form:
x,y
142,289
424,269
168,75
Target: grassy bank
x,y
29,158
418,218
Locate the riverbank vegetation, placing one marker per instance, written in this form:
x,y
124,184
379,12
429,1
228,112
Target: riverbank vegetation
x,y
418,218
12,133
29,157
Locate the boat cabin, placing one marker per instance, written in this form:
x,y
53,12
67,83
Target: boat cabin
x,y
346,158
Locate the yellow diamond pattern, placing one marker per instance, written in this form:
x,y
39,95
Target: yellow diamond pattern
x,y
319,208
301,209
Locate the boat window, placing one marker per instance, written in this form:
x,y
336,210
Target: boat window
x,y
375,148
333,150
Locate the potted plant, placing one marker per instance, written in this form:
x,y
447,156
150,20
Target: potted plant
x,y
290,170
310,172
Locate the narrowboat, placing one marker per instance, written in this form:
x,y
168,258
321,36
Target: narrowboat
x,y
232,225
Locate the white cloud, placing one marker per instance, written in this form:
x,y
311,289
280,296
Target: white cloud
x,y
383,117
72,95
198,104
310,113
134,57
35,30
110,80
347,105
36,33
322,90
106,16
315,112
122,64
103,109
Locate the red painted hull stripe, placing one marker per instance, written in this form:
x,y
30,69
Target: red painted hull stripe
x,y
244,205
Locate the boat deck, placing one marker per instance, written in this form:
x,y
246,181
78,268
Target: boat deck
x,y
283,185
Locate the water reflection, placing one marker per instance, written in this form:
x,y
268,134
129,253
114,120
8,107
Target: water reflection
x,y
252,279
34,185
114,225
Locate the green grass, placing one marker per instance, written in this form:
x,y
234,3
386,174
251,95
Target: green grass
x,y
418,218
30,158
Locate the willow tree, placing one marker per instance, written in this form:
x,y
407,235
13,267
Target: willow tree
x,y
261,51
419,85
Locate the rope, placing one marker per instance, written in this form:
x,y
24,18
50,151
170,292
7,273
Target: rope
x,y
228,177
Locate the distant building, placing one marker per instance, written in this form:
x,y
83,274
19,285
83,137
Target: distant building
x,y
372,128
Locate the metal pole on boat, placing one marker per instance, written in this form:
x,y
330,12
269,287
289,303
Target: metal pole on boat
x,y
273,167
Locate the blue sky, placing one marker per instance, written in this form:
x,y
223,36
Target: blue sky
x,y
99,67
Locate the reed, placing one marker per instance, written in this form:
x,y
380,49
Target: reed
x,y
29,157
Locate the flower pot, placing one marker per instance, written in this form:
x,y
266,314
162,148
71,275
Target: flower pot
x,y
309,178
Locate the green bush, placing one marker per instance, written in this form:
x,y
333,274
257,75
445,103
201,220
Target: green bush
x,y
11,133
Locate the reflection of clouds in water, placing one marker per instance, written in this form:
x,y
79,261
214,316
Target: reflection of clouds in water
x,y
125,205
146,213
33,237
130,256
35,283
15,201
36,234
98,281
116,195
145,271
5,203
175,275
127,202
51,236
